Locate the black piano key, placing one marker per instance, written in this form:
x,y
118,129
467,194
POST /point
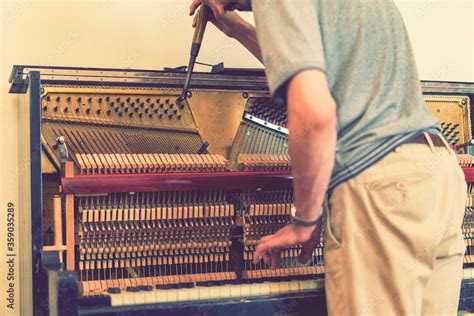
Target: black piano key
x,y
146,288
94,301
113,290
205,283
166,286
134,288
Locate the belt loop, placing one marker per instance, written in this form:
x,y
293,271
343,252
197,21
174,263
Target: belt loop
x,y
429,141
450,150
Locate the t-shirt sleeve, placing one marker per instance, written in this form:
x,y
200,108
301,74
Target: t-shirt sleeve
x,y
289,35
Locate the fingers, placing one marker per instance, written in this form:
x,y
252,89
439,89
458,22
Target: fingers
x,y
309,246
269,244
307,251
193,7
275,254
269,256
260,251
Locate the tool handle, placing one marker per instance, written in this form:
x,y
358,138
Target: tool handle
x,y
203,17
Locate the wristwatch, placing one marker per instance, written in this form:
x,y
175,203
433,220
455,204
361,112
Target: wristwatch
x,y
295,220
241,5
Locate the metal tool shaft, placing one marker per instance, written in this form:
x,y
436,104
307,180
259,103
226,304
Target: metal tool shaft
x,y
203,17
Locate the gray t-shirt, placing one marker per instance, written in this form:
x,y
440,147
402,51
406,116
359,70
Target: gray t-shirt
x,y
364,49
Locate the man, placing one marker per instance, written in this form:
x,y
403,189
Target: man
x,y
364,148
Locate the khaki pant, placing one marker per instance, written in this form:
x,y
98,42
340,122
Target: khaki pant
x,y
393,236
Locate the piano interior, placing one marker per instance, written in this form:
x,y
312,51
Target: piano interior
x,y
152,201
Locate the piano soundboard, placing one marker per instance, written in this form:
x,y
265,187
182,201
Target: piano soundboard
x,y
145,201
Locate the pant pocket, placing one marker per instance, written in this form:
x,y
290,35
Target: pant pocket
x,y
402,193
331,240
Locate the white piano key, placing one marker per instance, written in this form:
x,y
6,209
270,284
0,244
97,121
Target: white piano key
x,y
150,296
116,299
215,292
305,285
139,297
128,298
295,286
235,291
265,288
225,291
203,292
172,295
194,294
275,287
183,295
285,287
256,289
161,296
245,290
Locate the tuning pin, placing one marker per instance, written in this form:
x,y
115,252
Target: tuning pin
x,y
152,105
162,105
48,98
170,116
147,110
88,110
137,100
142,105
167,101
132,104
107,99
118,99
140,115
136,109
89,99
126,109
79,99
120,114
128,99
108,112
179,117
111,104
166,111
66,110
171,105
55,109
160,116
130,114
58,98
99,100
148,100
155,111
122,104
158,100
98,111
150,115
45,108
116,109
175,111
68,99
77,110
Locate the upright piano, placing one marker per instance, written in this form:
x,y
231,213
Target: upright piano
x,y
135,202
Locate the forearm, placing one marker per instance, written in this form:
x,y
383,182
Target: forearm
x,y
247,36
312,138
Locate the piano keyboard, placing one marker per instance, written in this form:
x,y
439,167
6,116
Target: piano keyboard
x,y
226,291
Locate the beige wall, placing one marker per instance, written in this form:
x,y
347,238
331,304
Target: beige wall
x,y
155,34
